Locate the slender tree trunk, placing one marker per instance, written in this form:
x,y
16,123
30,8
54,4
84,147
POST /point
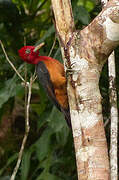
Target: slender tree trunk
x,y
114,119
84,54
113,114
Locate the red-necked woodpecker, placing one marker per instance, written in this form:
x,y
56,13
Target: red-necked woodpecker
x,y
51,76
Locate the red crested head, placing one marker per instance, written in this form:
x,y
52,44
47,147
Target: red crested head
x,y
28,54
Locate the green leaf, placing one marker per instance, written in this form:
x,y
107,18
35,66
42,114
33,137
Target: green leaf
x,y
10,89
62,136
43,144
8,11
48,33
5,178
48,176
25,166
38,108
56,120
10,161
81,14
90,5
57,55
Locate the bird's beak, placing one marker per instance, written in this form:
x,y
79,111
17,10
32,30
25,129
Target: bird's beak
x,y
38,46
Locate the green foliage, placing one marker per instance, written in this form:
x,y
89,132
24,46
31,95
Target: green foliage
x,y
10,160
82,15
49,153
25,166
11,88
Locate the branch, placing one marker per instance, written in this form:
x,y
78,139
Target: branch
x,y
27,106
11,62
64,19
27,128
101,36
52,46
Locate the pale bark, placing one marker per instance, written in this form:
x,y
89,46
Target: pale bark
x,y
114,119
113,115
84,54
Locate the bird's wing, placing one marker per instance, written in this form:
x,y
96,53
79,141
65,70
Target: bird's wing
x,y
44,78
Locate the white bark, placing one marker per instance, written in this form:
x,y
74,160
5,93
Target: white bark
x,y
112,34
86,116
114,119
112,29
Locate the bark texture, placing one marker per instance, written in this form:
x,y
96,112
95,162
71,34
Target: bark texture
x,y
113,115
84,54
114,119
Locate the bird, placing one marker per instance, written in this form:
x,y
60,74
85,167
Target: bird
x,y
51,75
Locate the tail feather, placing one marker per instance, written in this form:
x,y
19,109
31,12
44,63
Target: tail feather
x,y
66,113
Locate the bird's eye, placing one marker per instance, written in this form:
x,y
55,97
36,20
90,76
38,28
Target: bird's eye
x,y
27,51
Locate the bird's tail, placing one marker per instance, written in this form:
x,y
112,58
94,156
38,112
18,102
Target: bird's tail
x,y
66,113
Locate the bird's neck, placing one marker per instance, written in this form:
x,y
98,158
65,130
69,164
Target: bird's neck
x,y
43,58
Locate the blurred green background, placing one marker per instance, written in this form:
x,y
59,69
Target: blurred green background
x,y
49,152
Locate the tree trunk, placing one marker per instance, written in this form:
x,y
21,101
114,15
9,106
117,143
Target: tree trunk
x,y
113,114
114,119
84,54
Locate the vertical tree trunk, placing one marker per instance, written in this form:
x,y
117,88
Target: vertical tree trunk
x,y
114,119
113,114
84,54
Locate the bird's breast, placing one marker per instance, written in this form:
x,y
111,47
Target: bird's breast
x,y
56,72
58,79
